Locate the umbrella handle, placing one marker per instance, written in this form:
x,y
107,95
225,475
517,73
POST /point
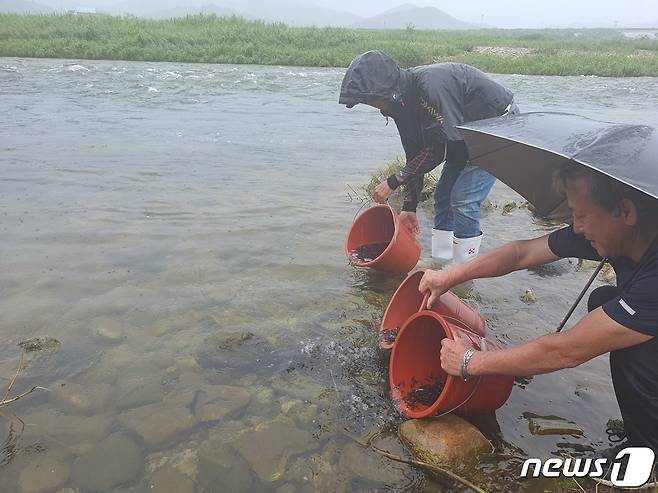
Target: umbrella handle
x,y
582,293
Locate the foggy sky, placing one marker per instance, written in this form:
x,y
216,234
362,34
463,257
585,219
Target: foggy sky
x,y
498,13
522,13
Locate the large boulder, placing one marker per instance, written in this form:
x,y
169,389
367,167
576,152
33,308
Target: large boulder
x,y
444,440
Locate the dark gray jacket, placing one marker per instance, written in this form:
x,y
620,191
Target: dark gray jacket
x,y
426,104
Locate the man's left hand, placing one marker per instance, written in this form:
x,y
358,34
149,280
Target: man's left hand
x,y
452,355
382,193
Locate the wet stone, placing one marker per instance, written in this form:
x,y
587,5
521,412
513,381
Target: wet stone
x,y
444,440
168,480
136,391
66,428
367,464
268,446
43,474
297,386
214,402
109,331
221,468
234,351
162,422
315,473
541,426
184,459
80,399
302,412
114,461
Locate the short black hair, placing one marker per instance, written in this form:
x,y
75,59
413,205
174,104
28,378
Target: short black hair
x,y
609,192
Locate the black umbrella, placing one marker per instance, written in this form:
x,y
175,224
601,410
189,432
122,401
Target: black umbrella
x,y
524,151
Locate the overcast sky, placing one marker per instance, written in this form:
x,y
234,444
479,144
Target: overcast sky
x,y
521,13
499,13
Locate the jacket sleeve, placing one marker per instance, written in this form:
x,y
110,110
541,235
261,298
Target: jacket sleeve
x,y
411,175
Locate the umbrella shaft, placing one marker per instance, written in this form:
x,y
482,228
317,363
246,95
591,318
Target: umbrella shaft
x,y
582,293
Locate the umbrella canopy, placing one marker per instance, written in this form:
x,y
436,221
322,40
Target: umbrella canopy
x,y
525,150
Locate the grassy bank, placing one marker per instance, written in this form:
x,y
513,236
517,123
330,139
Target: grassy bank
x,y
212,39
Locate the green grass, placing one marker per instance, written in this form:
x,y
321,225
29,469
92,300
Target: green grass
x,y
212,39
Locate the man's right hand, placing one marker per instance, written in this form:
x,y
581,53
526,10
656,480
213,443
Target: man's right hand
x,y
437,283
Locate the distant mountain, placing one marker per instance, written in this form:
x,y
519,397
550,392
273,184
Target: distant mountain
x,y
295,13
23,7
417,17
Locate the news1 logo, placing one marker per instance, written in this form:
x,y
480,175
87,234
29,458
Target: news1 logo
x,y
639,466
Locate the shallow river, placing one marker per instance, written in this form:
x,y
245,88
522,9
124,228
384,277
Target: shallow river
x,y
179,230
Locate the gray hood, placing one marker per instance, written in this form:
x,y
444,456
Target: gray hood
x,y
372,75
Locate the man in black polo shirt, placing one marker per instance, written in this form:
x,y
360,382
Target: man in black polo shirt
x,y
609,220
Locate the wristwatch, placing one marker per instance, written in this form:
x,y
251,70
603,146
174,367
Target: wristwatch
x,y
467,358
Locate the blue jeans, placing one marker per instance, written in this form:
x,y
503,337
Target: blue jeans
x,y
459,193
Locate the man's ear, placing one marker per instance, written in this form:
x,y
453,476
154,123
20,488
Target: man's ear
x,y
627,211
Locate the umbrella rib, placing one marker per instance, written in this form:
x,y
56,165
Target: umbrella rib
x,y
494,151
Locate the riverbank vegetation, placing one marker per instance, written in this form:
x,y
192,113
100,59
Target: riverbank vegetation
x,y
212,39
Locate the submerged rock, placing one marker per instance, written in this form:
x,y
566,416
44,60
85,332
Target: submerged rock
x,y
109,331
79,398
298,386
213,402
367,464
231,351
160,423
139,390
443,440
44,473
68,429
169,480
268,446
221,468
542,426
114,461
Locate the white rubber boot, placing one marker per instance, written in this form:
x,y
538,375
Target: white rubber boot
x,y
465,249
441,244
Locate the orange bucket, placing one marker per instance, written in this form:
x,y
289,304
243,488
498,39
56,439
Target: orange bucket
x,y
380,225
416,365
407,300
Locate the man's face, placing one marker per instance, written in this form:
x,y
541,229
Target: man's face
x,y
605,231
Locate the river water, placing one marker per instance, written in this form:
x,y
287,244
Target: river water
x,y
179,230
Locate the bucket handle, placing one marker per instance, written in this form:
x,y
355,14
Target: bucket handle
x,y
483,347
464,325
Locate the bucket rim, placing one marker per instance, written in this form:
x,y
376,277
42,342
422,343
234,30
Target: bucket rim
x,y
450,379
385,345
396,230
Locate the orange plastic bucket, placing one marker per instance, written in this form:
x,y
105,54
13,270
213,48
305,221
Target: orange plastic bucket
x,y
416,363
407,300
377,225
